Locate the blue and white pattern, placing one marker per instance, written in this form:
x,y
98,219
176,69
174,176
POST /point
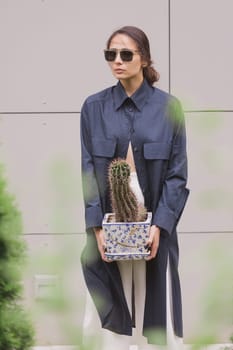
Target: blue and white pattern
x,y
126,240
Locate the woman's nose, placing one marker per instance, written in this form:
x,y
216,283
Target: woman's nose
x,y
118,58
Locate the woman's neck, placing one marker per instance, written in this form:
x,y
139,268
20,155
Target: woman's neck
x,y
131,85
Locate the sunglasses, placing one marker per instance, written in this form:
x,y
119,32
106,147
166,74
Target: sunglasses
x,y
126,55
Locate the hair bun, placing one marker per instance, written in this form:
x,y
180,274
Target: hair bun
x,y
150,74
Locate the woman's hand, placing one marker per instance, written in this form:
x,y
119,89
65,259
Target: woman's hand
x,y
153,241
99,234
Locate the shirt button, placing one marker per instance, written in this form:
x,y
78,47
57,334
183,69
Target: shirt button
x,y
135,149
130,109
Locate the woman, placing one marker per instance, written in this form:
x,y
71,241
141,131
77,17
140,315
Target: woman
x,y
144,125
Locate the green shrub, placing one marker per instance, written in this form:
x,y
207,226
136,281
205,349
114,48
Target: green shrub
x,y
16,331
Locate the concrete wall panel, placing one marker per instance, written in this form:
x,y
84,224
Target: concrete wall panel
x,y
201,53
54,287
206,278
41,154
52,51
210,144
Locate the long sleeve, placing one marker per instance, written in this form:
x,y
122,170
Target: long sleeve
x,y
174,192
93,211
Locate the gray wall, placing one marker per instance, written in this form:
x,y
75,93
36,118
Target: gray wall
x,y
51,59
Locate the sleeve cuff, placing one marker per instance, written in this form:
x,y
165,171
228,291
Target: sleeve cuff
x,y
93,217
167,219
164,219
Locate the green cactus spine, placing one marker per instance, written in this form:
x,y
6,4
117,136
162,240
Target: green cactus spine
x,y
124,202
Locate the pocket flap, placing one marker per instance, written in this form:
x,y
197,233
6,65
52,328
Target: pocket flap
x,y
103,148
157,150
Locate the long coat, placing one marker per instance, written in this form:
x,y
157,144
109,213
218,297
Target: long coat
x,y
154,123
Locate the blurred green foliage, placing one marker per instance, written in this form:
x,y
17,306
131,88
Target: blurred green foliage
x,y
16,330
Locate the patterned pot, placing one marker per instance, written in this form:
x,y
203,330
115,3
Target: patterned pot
x,y
126,240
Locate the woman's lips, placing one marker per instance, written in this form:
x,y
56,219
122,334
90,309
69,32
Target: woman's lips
x,y
118,70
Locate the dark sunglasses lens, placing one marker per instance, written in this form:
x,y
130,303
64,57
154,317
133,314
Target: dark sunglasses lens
x,y
126,55
110,55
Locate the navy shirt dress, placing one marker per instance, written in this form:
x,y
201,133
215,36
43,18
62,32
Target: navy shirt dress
x,y
153,121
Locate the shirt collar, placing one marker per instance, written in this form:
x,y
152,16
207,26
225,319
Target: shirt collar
x,y
139,98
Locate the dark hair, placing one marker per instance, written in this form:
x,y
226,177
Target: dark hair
x,y
143,45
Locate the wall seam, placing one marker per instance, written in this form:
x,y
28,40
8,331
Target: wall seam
x,y
78,112
83,233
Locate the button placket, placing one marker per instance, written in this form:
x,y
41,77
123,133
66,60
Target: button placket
x,y
129,112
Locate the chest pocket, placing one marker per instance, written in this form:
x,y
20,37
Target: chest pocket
x,y
103,148
156,151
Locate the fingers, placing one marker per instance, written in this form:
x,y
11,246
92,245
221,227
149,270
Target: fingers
x,y
101,247
101,244
153,250
102,253
153,242
102,250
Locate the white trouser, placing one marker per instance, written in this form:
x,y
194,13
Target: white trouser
x,y
102,339
107,340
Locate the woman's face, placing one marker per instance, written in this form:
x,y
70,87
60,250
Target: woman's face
x,y
126,70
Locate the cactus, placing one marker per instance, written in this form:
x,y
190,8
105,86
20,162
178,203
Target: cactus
x,y
124,202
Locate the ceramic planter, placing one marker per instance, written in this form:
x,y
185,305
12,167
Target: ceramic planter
x,y
126,240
